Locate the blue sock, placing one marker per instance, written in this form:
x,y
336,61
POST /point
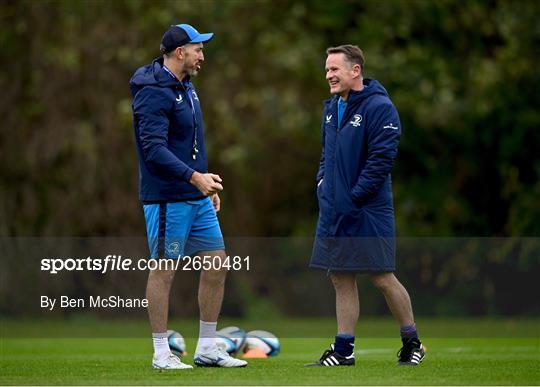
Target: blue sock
x,y
344,344
408,332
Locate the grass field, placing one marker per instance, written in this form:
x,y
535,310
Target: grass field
x,y
87,352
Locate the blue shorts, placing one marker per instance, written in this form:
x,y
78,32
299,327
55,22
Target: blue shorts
x,y
175,230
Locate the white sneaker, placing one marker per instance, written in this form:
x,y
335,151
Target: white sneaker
x,y
216,357
169,362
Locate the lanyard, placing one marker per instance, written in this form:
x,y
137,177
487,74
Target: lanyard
x,y
195,148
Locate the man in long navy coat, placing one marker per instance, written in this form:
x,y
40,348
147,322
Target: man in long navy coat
x,y
356,231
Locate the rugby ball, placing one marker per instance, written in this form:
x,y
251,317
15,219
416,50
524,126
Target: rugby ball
x,y
226,344
177,344
263,340
231,339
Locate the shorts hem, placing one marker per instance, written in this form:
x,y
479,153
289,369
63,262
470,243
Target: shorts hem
x,y
192,252
206,248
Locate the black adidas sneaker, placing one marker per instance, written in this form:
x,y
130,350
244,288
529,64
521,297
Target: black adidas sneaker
x,y
412,353
331,358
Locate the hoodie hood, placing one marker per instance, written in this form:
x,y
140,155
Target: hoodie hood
x,y
151,75
371,87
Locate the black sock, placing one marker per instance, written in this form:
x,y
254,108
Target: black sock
x,y
344,344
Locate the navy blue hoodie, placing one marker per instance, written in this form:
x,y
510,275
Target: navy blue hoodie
x,y
356,162
354,182
164,124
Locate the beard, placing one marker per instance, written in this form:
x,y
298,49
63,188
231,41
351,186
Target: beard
x,y
194,70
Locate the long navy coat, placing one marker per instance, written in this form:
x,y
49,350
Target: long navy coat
x,y
355,230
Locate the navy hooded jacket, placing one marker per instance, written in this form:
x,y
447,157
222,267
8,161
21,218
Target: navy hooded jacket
x,y
354,182
164,124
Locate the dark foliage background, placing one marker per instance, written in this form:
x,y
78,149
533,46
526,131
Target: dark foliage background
x,y
464,77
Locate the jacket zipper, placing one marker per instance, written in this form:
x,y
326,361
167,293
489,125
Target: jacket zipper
x,y
338,130
334,212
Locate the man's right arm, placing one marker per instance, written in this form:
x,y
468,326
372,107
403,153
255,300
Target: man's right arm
x,y
207,183
150,108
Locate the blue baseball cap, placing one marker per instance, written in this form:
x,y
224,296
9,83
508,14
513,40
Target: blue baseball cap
x,y
181,34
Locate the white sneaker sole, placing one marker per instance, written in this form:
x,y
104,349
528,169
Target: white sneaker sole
x,y
200,363
187,367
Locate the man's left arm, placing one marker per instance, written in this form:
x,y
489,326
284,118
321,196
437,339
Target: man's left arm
x,y
383,139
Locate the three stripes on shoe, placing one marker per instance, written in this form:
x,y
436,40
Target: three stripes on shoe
x,y
416,357
330,361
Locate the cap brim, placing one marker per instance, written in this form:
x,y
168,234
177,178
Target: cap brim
x,y
203,38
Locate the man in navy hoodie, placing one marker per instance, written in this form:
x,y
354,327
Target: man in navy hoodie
x,y
180,198
355,231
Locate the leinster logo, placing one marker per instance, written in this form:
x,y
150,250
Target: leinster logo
x,y
328,118
357,120
173,248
